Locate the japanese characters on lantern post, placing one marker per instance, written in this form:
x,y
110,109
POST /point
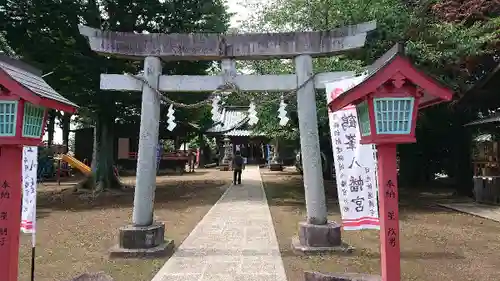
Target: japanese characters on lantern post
x,y
4,214
389,213
10,205
387,102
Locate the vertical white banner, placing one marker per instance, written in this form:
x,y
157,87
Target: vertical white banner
x,y
29,181
355,164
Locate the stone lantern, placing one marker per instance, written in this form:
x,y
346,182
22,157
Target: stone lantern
x,y
25,99
387,102
228,155
275,163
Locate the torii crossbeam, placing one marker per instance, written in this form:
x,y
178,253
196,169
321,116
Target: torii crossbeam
x,y
147,236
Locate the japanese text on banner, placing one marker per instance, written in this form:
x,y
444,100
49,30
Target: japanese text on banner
x,y
355,164
29,181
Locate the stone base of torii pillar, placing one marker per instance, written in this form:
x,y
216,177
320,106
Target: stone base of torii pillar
x,y
320,238
142,241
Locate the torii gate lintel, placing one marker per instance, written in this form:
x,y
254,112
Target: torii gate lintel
x,y
213,46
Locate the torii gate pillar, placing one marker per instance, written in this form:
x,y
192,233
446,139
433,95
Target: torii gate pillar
x,y
316,233
145,233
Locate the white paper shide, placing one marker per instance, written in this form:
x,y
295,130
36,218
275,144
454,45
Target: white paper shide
x,y
29,182
355,164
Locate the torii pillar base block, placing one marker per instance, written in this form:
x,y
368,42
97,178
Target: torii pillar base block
x,y
142,242
319,239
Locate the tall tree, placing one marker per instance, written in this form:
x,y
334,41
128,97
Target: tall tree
x,y
54,43
440,46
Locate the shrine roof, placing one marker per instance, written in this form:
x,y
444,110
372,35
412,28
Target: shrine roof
x,y
232,122
486,120
30,78
433,91
484,138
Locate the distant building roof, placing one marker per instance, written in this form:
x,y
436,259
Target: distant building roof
x,y
233,121
30,78
483,138
487,120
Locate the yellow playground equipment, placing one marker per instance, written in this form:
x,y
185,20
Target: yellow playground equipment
x,y
77,164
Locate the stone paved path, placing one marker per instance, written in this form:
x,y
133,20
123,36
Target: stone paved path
x,y
480,210
234,241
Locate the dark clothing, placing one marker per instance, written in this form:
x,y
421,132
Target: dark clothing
x,y
237,176
238,162
237,167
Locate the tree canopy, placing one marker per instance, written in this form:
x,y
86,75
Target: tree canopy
x,y
45,34
454,41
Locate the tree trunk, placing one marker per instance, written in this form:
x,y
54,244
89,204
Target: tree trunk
x,y
51,122
201,144
105,177
65,126
410,165
461,155
177,143
94,160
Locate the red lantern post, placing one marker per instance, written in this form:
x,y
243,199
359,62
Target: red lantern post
x,y
25,99
387,102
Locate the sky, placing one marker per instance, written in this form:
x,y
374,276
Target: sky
x,y
234,7
241,12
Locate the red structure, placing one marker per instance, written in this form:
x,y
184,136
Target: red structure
x,y
387,103
25,99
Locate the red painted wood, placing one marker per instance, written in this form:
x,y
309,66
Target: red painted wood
x,y
389,213
23,141
387,139
24,93
17,89
19,121
9,98
57,105
414,116
10,210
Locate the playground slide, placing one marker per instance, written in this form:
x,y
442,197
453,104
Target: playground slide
x,y
75,163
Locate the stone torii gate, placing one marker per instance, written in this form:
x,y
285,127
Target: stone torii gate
x,y
144,235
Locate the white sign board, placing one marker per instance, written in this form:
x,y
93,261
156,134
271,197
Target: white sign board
x,y
29,181
355,164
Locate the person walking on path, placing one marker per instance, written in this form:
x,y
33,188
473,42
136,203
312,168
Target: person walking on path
x,y
237,167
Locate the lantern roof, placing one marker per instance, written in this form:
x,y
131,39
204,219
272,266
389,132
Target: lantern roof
x,y
383,69
25,81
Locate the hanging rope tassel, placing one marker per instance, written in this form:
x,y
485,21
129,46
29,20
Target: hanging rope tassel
x,y
282,113
171,118
252,114
215,108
